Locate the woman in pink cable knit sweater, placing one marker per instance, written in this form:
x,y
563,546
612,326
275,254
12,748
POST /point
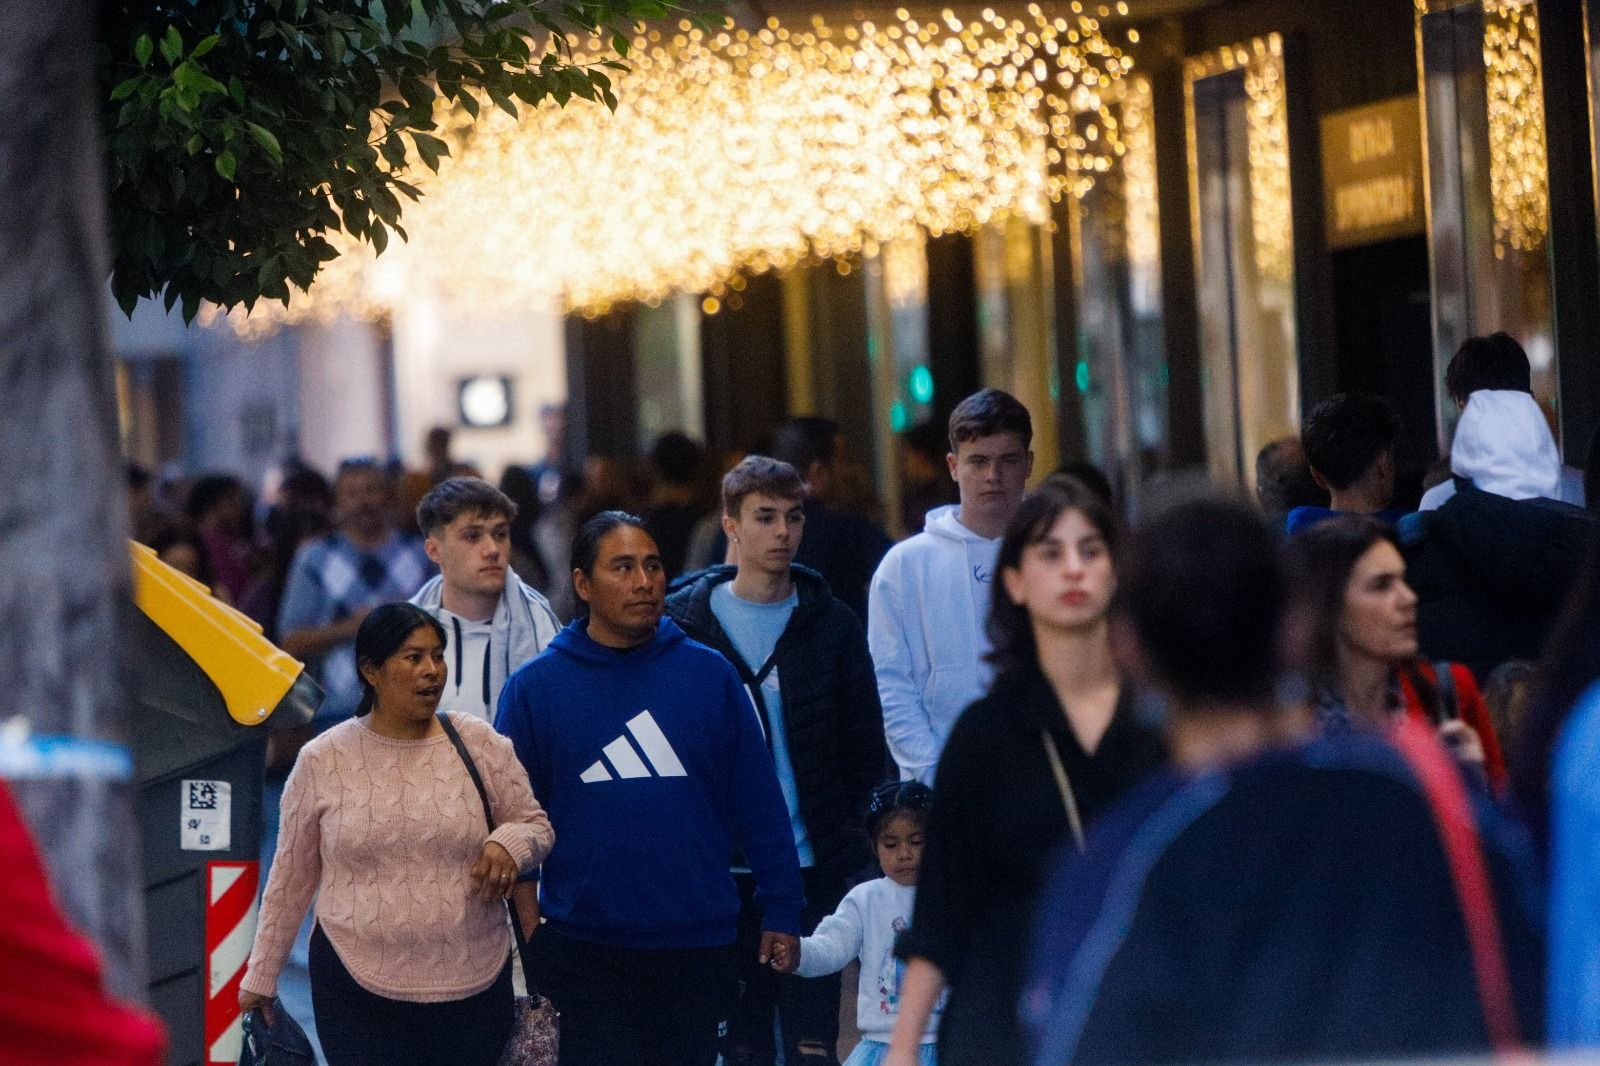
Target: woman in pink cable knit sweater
x,y
410,959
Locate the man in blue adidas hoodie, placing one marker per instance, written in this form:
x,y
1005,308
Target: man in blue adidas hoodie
x,y
645,750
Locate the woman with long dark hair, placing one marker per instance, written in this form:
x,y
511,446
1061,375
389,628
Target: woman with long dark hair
x,y
1364,668
382,823
1556,763
1026,768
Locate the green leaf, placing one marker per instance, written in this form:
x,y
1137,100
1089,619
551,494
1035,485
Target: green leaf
x,y
379,237
143,48
226,164
126,89
172,46
430,148
194,82
620,43
469,104
205,45
502,101
266,139
194,144
236,90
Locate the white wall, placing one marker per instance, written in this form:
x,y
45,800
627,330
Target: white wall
x,y
435,347
342,370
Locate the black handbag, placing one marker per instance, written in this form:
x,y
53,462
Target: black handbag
x,y
283,1044
535,1035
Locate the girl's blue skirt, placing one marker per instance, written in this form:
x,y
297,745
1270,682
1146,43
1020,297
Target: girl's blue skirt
x,y
873,1052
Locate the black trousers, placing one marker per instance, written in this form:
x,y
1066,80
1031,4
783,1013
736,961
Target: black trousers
x,y
807,1008
361,1028
629,1007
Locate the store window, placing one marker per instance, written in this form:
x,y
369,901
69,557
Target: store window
x,y
1244,251
1119,368
1488,189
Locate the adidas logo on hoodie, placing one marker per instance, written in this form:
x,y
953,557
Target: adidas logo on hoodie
x,y
625,761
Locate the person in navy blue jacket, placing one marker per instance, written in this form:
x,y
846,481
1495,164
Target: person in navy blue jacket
x,y
645,750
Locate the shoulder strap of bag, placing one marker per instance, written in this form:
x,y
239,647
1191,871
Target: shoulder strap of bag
x,y
1452,813
1445,683
1064,786
488,816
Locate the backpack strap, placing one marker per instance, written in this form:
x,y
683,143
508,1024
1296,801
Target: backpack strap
x,y
1458,833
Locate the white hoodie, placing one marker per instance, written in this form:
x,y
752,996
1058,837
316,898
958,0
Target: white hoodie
x,y
925,626
1503,445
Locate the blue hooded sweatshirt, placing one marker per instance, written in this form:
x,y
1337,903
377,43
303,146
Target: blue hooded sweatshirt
x,y
652,766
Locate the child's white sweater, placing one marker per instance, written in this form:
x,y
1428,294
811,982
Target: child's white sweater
x,y
864,927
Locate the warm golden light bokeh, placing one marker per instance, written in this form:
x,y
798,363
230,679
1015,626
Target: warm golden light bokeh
x,y
738,152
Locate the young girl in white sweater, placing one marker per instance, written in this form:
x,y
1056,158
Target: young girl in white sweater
x,y
871,916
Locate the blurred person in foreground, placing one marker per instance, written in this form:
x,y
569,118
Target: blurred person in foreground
x,y
1365,669
1272,899
1054,743
1554,775
54,1010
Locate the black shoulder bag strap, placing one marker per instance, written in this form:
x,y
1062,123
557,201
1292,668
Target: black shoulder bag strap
x,y
1449,707
488,816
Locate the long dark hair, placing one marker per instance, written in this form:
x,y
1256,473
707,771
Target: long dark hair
x,y
1321,559
1569,667
1009,627
384,632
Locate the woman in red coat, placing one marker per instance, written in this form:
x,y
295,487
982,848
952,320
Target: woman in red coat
x,y
1364,667
53,1008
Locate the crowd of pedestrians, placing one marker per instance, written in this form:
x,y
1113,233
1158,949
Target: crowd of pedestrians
x,y
1306,779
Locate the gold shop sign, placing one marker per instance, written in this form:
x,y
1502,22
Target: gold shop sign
x,y
1372,172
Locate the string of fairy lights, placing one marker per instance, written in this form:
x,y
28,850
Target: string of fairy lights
x,y
742,151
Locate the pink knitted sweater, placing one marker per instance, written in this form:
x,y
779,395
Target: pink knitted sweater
x,y
383,833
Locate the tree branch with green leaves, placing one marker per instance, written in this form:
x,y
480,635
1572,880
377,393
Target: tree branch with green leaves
x,y
241,133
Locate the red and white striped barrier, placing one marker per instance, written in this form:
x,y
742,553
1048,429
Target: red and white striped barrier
x,y
230,930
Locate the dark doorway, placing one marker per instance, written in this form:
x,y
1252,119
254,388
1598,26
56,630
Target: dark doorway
x,y
1385,344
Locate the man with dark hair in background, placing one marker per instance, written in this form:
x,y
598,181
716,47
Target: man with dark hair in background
x,y
844,548
924,481
676,507
1349,443
536,489
1284,481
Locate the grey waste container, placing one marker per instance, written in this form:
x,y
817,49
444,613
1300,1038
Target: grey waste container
x,y
200,775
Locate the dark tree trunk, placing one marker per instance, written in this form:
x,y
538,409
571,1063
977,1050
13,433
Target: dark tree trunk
x,y
64,575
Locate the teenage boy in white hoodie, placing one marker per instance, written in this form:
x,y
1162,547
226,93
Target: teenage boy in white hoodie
x,y
930,596
493,623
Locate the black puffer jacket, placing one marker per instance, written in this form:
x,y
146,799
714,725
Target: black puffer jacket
x,y
831,713
1491,574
